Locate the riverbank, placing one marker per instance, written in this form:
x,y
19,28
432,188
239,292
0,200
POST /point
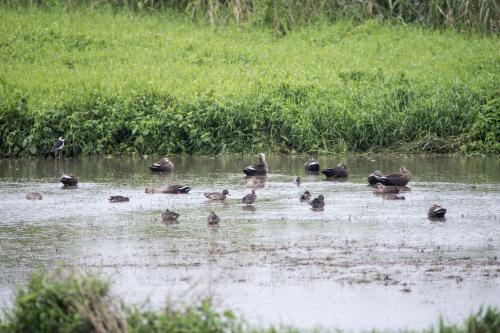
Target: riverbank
x,y
136,83
66,301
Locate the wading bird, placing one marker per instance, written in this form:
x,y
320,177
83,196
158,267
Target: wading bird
x,y
58,146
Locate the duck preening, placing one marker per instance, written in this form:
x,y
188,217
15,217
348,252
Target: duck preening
x,y
381,189
176,189
249,199
217,195
169,216
34,196
400,178
69,180
436,212
118,198
58,146
311,166
306,196
163,165
340,171
258,169
318,203
213,219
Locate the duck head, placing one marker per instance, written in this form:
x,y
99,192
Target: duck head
x,y
226,192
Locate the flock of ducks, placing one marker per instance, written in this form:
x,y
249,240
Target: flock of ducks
x,y
390,186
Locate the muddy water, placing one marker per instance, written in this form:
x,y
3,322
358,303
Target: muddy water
x,y
362,263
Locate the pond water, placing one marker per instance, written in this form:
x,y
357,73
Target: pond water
x,y
361,263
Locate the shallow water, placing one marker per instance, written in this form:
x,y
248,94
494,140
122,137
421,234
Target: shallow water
x,y
362,263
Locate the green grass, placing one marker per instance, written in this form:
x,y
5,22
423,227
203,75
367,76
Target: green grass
x,y
69,302
142,83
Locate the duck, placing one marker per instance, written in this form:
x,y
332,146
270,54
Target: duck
x,y
258,169
150,190
400,178
256,182
436,212
213,219
69,180
163,165
249,199
381,189
318,203
34,196
306,196
297,181
374,176
311,166
176,189
340,171
169,216
217,195
118,198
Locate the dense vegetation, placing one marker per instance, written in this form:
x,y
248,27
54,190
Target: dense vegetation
x,y
65,301
141,83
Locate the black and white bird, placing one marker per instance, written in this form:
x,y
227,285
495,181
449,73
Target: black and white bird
x,y
258,169
58,146
311,166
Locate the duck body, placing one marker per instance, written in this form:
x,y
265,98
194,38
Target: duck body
x,y
34,196
163,165
69,180
258,169
306,196
217,195
118,198
436,212
169,216
381,189
213,219
373,178
176,189
249,199
400,178
311,166
340,171
318,203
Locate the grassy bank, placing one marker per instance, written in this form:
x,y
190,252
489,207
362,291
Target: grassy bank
x,y
65,301
142,83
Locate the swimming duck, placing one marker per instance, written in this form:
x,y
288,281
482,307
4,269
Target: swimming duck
x,y
381,189
256,182
436,212
374,176
297,181
118,198
340,171
311,166
34,196
249,198
176,189
306,196
318,202
169,216
217,195
212,219
69,180
400,178
257,169
163,165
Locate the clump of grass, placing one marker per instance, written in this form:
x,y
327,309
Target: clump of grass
x,y
67,301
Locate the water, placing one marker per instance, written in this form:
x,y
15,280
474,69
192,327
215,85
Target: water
x,y
362,263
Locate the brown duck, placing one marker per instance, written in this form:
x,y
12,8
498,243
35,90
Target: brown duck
x,y
249,199
217,195
118,198
163,165
213,219
311,166
69,180
176,189
400,178
340,171
169,216
318,203
258,169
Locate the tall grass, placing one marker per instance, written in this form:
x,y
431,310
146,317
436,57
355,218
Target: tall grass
x,y
482,15
136,83
69,302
